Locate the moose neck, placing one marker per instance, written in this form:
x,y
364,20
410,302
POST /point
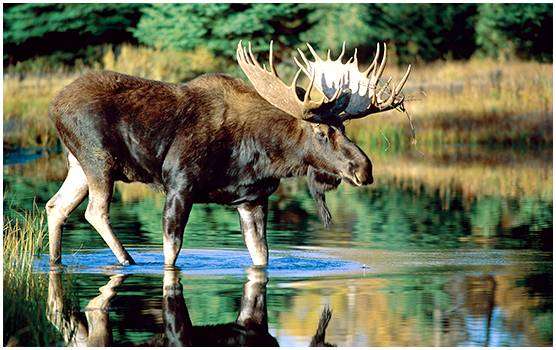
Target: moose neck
x,y
285,142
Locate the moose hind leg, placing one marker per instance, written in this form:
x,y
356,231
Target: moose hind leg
x,y
97,214
58,208
252,218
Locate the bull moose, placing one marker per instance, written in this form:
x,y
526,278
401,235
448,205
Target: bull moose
x,y
214,139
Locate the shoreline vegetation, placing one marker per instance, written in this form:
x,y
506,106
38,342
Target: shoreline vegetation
x,y
25,292
479,101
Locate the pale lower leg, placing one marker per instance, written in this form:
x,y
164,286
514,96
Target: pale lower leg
x,y
253,225
69,196
172,246
97,215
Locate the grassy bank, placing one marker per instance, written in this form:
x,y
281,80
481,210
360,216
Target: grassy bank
x,y
473,102
25,293
478,101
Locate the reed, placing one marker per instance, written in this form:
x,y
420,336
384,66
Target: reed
x,y
25,320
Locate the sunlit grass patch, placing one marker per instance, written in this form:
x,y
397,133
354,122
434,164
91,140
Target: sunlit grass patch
x,y
26,103
474,102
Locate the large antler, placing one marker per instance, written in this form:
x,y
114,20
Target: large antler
x,y
369,94
274,90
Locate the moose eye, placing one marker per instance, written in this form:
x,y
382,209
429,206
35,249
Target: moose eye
x,y
321,135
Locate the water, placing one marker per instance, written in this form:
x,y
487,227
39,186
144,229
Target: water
x,y
425,258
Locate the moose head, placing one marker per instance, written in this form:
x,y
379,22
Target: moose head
x,y
345,93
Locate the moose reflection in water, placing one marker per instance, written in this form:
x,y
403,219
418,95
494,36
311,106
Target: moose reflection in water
x,y
93,328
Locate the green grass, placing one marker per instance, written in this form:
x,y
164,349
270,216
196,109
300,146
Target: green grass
x,y
25,293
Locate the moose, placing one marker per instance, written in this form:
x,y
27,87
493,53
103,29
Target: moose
x,y
214,139
250,327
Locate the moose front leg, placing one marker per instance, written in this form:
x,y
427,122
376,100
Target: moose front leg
x,y
252,219
176,213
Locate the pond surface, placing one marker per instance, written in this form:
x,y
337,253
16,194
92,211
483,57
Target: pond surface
x,y
423,258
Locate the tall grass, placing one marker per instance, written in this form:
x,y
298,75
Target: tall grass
x,y
479,101
167,65
26,103
25,293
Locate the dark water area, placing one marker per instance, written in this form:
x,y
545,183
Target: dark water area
x,y
406,262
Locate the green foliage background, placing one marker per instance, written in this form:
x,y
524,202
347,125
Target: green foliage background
x,y
426,32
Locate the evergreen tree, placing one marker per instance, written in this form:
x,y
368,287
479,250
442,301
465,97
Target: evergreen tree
x,y
66,29
425,31
220,26
524,30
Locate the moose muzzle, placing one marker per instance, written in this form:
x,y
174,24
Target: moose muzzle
x,y
361,174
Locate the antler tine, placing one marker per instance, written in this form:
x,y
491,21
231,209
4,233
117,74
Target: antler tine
x,y
373,64
293,85
308,92
301,66
245,56
339,59
271,59
355,62
305,60
253,59
382,64
241,53
315,55
402,82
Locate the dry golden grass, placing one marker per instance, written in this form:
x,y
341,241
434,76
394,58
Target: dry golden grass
x,y
167,65
26,103
472,178
478,101
22,239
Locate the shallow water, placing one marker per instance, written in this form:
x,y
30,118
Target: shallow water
x,y
401,265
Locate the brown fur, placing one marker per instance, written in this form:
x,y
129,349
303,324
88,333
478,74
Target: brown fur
x,y
213,139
